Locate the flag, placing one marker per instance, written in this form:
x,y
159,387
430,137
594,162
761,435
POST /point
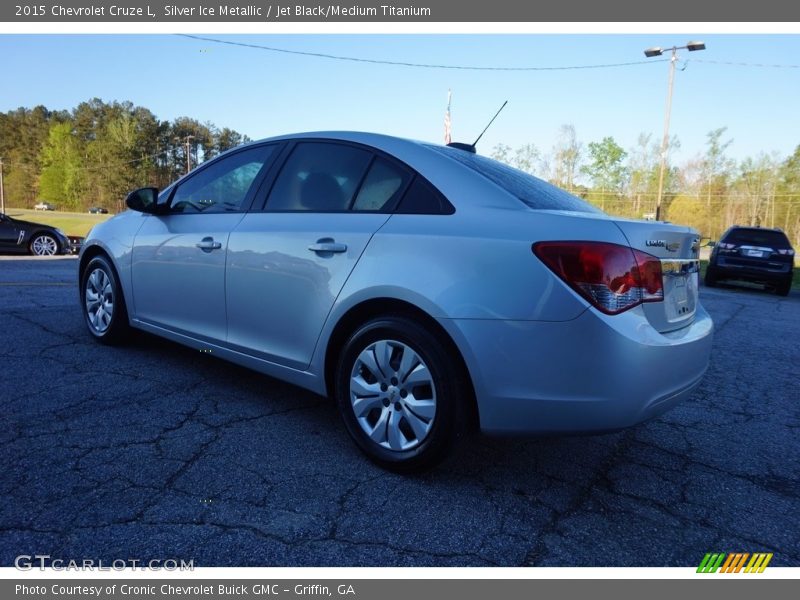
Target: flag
x,y
447,136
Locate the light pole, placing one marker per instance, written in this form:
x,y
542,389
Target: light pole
x,y
658,51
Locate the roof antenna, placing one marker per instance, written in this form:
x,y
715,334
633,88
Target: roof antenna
x,y
475,143
471,147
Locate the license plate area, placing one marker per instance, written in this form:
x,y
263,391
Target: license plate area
x,y
681,288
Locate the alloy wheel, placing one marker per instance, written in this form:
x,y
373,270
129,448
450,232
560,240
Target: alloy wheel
x,y
44,245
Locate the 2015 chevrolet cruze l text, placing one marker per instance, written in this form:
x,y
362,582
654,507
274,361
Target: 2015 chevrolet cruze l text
x,y
425,288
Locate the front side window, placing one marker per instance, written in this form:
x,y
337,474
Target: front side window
x,y
222,186
319,177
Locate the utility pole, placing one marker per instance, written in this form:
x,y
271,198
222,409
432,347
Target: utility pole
x,y
188,153
2,191
187,145
665,140
658,51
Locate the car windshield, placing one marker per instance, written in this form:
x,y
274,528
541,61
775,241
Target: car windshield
x,y
531,190
757,237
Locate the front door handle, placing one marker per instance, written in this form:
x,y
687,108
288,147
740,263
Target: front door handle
x,y
328,246
207,244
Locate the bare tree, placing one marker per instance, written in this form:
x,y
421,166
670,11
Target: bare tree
x,y
566,157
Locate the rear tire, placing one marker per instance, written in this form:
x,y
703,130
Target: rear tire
x,y
102,302
402,397
783,289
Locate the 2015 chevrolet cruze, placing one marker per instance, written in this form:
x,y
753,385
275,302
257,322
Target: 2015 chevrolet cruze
x,y
425,288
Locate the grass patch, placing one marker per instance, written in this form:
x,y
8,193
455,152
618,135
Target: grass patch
x,y
795,279
69,223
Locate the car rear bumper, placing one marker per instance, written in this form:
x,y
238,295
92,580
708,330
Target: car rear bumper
x,y
761,275
591,374
765,270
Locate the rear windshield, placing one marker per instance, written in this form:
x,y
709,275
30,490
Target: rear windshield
x,y
529,189
757,237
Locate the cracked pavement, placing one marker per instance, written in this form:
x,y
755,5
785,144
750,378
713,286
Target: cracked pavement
x,y
156,451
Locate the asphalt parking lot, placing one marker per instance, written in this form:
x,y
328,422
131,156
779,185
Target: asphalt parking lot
x,y
154,451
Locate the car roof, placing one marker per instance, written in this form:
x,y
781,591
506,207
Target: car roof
x,y
371,139
756,228
445,173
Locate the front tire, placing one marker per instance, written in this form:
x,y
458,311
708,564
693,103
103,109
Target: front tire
x,y
44,244
401,395
102,302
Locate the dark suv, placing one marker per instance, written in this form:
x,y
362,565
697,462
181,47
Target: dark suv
x,y
754,254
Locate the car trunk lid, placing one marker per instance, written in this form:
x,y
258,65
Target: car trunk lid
x,y
677,248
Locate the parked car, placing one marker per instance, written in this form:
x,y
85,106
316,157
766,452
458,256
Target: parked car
x,y
43,206
34,238
75,244
754,254
98,210
425,288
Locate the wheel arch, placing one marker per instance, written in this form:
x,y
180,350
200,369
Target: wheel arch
x,y
372,308
95,250
91,252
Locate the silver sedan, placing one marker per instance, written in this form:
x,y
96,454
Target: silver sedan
x,y
427,289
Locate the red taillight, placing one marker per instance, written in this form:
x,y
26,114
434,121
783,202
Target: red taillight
x,y
785,252
613,278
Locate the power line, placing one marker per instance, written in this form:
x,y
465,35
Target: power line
x,y
395,63
744,64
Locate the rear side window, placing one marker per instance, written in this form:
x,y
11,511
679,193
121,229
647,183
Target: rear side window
x,y
423,199
319,177
757,237
382,186
531,190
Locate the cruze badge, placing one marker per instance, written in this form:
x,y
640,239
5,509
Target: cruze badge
x,y
673,247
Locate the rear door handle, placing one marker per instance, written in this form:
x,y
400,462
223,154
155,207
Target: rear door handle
x,y
207,244
328,247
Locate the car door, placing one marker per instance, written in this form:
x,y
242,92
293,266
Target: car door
x,y
288,263
9,233
178,263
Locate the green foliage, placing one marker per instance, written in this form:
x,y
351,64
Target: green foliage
x,y
710,192
606,168
686,210
62,179
96,153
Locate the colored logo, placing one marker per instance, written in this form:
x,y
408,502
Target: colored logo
x,y
734,562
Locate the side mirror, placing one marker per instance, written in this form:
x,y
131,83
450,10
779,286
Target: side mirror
x,y
143,200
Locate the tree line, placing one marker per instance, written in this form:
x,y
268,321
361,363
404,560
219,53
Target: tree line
x,y
95,153
710,191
